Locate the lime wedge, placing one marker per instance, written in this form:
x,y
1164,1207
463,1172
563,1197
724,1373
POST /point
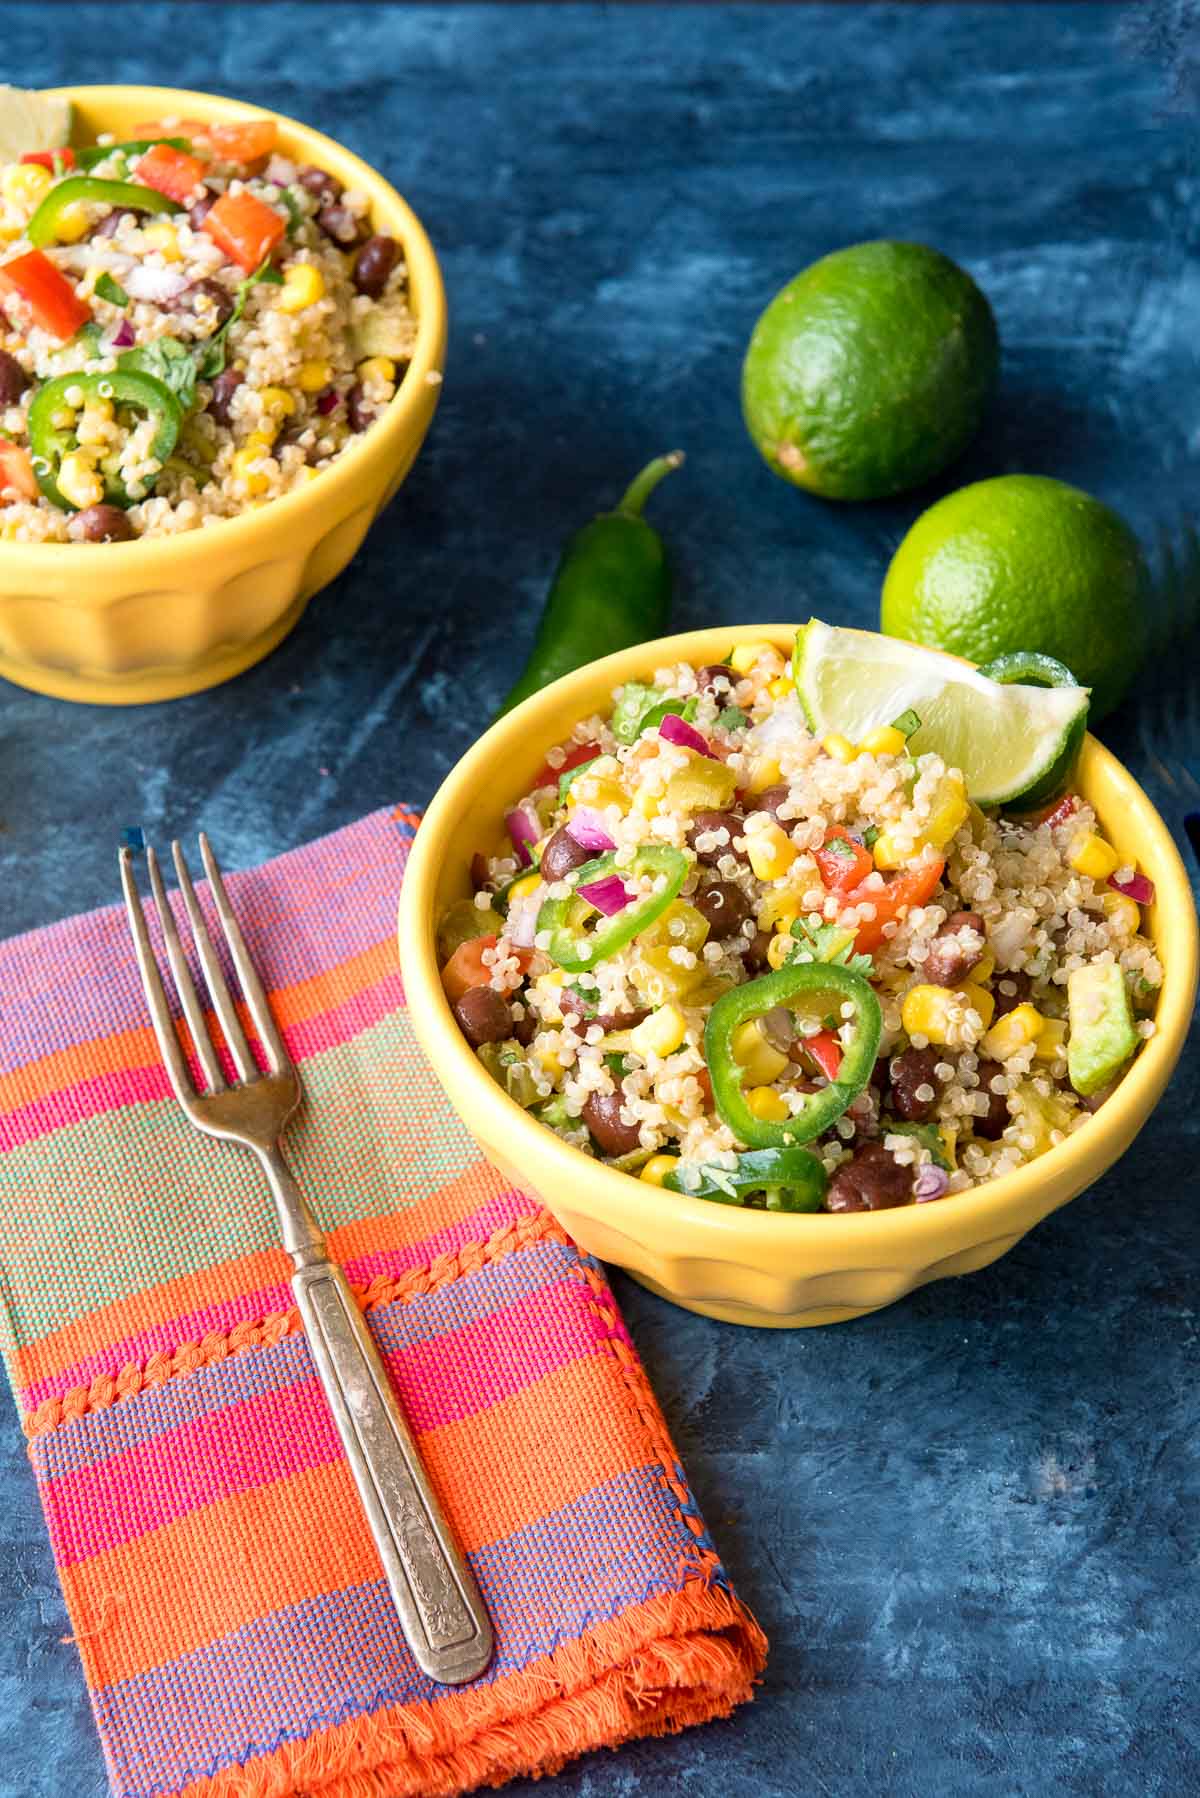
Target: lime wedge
x,y
1005,739
31,121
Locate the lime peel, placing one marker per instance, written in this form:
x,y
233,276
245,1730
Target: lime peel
x,y
1005,740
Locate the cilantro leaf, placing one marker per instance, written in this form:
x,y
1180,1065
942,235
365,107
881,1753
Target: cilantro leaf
x,y
839,846
818,941
732,718
571,775
210,356
111,290
296,213
170,362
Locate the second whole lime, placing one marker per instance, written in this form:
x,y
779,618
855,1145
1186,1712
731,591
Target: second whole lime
x,y
870,371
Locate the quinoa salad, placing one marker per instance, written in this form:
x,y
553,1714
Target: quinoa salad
x,y
191,325
764,967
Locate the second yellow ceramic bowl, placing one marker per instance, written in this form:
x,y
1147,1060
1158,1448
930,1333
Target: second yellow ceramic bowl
x,y
758,1267
120,623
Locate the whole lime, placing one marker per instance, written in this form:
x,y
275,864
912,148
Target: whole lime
x,y
1023,563
870,371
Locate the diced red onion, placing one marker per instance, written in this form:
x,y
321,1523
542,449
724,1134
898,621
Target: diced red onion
x,y
930,1183
525,828
607,895
280,171
1137,887
520,927
123,336
678,731
327,401
588,828
155,284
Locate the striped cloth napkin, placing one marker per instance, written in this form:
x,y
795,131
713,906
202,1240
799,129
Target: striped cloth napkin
x,y
231,1616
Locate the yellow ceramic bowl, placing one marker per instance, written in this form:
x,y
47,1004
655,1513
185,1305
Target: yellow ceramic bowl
x,y
119,623
751,1266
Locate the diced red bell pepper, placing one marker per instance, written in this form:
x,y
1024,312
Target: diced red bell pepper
x,y
826,1051
247,229
548,776
466,969
912,886
169,171
50,159
16,470
56,306
1058,814
845,866
248,141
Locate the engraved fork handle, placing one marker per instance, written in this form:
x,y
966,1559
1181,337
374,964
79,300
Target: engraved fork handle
x,y
440,1607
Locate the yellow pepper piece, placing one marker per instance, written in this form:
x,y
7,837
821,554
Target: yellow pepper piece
x,y
747,655
599,790
313,375
1124,911
764,772
771,851
681,923
754,1051
1016,1030
886,740
303,286
839,747
779,910
980,1000
949,1136
521,889
1051,1040
1091,855
660,980
984,968
661,1033
1039,1116
704,785
646,803
768,1105
658,1167
949,813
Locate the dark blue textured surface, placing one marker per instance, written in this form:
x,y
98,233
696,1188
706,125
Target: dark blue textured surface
x,y
970,1523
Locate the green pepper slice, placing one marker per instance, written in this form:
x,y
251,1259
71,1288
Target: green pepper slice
x,y
792,1179
742,1003
577,952
43,226
49,442
88,157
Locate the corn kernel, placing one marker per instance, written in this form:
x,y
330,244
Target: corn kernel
x,y
305,476
661,1033
949,813
72,223
276,402
779,910
779,948
1122,910
303,286
980,1000
1090,854
521,889
753,1050
780,687
746,655
646,803
886,740
94,420
78,481
547,1059
164,238
764,772
771,852
1051,1040
25,183
661,980
11,223
984,968
598,790
377,368
767,1105
1016,1030
886,852
926,1011
839,747
245,468
314,375
657,1169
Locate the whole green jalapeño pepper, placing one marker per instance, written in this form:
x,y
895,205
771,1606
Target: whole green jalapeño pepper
x,y
612,589
577,951
50,442
43,226
791,1179
796,980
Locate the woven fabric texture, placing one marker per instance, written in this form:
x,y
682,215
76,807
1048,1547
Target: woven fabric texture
x,y
232,1621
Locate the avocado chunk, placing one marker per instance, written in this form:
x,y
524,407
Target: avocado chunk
x,y
31,121
1101,1035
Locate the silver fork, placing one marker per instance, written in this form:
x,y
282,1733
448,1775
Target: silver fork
x,y
441,1611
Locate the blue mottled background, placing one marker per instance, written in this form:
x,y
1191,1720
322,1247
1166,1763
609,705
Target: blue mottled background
x,y
969,1523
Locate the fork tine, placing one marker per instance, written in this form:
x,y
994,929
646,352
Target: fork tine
x,y
223,1005
156,997
185,986
247,973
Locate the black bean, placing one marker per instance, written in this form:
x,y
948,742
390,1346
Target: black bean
x,y
948,961
374,263
483,1015
716,677
1022,987
317,181
224,388
358,413
756,956
562,855
525,1029
220,298
602,1115
204,205
574,1003
995,1120
770,800
872,1181
340,224
723,906
705,823
13,379
909,1072
103,524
